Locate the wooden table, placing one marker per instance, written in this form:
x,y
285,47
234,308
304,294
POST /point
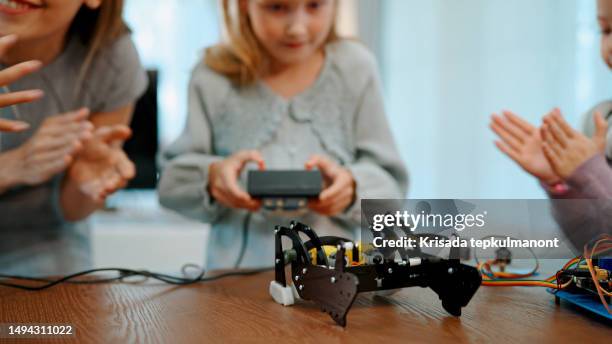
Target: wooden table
x,y
239,308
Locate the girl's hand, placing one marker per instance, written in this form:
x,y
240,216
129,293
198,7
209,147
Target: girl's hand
x,y
601,131
103,167
14,73
49,151
223,180
339,191
567,149
522,142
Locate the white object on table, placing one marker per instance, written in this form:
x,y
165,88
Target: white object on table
x,y
139,234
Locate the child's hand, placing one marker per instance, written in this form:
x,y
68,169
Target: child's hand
x,y
567,149
223,180
339,192
522,142
103,167
601,131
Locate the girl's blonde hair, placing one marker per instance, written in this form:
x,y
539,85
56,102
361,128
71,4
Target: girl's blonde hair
x,y
98,28
241,57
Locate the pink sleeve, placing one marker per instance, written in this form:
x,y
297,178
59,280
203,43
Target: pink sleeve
x,y
592,180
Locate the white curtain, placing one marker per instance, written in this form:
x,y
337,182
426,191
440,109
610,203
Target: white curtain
x,y
448,64
170,36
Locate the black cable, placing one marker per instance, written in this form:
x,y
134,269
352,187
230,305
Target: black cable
x,y
237,273
245,239
48,280
126,273
123,274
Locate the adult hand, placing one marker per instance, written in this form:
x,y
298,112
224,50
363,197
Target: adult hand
x,y
12,74
522,142
565,148
339,189
102,167
223,180
49,151
12,126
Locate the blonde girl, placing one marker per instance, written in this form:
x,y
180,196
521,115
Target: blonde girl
x,y
281,90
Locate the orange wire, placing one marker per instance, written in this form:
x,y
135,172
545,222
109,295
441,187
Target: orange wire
x,y
504,279
589,260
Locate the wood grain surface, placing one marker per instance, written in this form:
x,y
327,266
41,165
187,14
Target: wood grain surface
x,y
240,309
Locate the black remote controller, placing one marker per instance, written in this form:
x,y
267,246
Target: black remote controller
x,y
284,189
